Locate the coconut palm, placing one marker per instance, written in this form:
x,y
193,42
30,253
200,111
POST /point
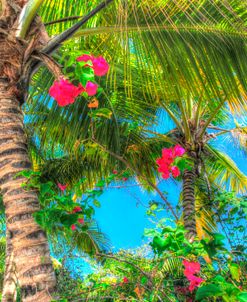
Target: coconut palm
x,y
179,45
196,124
22,33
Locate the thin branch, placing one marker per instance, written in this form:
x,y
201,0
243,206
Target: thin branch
x,y
198,109
125,261
214,113
218,128
150,28
124,186
63,20
172,116
222,132
185,118
163,136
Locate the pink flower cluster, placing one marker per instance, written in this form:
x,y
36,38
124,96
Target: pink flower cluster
x,y
125,280
99,64
165,163
75,210
62,187
65,92
79,220
192,268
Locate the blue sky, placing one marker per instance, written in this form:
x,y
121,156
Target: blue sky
x,y
122,215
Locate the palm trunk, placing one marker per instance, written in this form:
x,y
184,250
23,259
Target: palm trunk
x,y
189,203
10,277
32,261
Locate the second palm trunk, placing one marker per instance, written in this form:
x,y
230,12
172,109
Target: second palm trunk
x,y
189,216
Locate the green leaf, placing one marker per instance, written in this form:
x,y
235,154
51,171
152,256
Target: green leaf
x,y
101,183
69,219
45,188
150,232
102,112
218,238
219,279
235,271
153,207
210,290
96,203
242,297
160,244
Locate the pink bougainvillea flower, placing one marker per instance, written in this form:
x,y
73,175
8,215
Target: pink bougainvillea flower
x,y
80,220
192,268
165,175
84,58
194,282
165,162
73,227
77,209
178,150
175,171
125,178
115,172
62,187
167,154
65,92
125,280
100,66
91,88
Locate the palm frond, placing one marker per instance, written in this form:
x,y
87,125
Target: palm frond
x,y
222,169
91,241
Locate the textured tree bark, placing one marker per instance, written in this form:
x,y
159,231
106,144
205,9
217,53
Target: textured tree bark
x,y
189,216
32,261
10,275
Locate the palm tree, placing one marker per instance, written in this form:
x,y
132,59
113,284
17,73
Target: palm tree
x,y
21,34
197,123
177,45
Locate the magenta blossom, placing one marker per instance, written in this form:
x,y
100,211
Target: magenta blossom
x,y
165,163
80,220
84,58
178,151
175,171
194,282
91,88
73,227
65,92
100,66
62,187
76,209
192,268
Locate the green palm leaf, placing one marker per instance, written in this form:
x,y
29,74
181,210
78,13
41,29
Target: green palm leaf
x,y
222,169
